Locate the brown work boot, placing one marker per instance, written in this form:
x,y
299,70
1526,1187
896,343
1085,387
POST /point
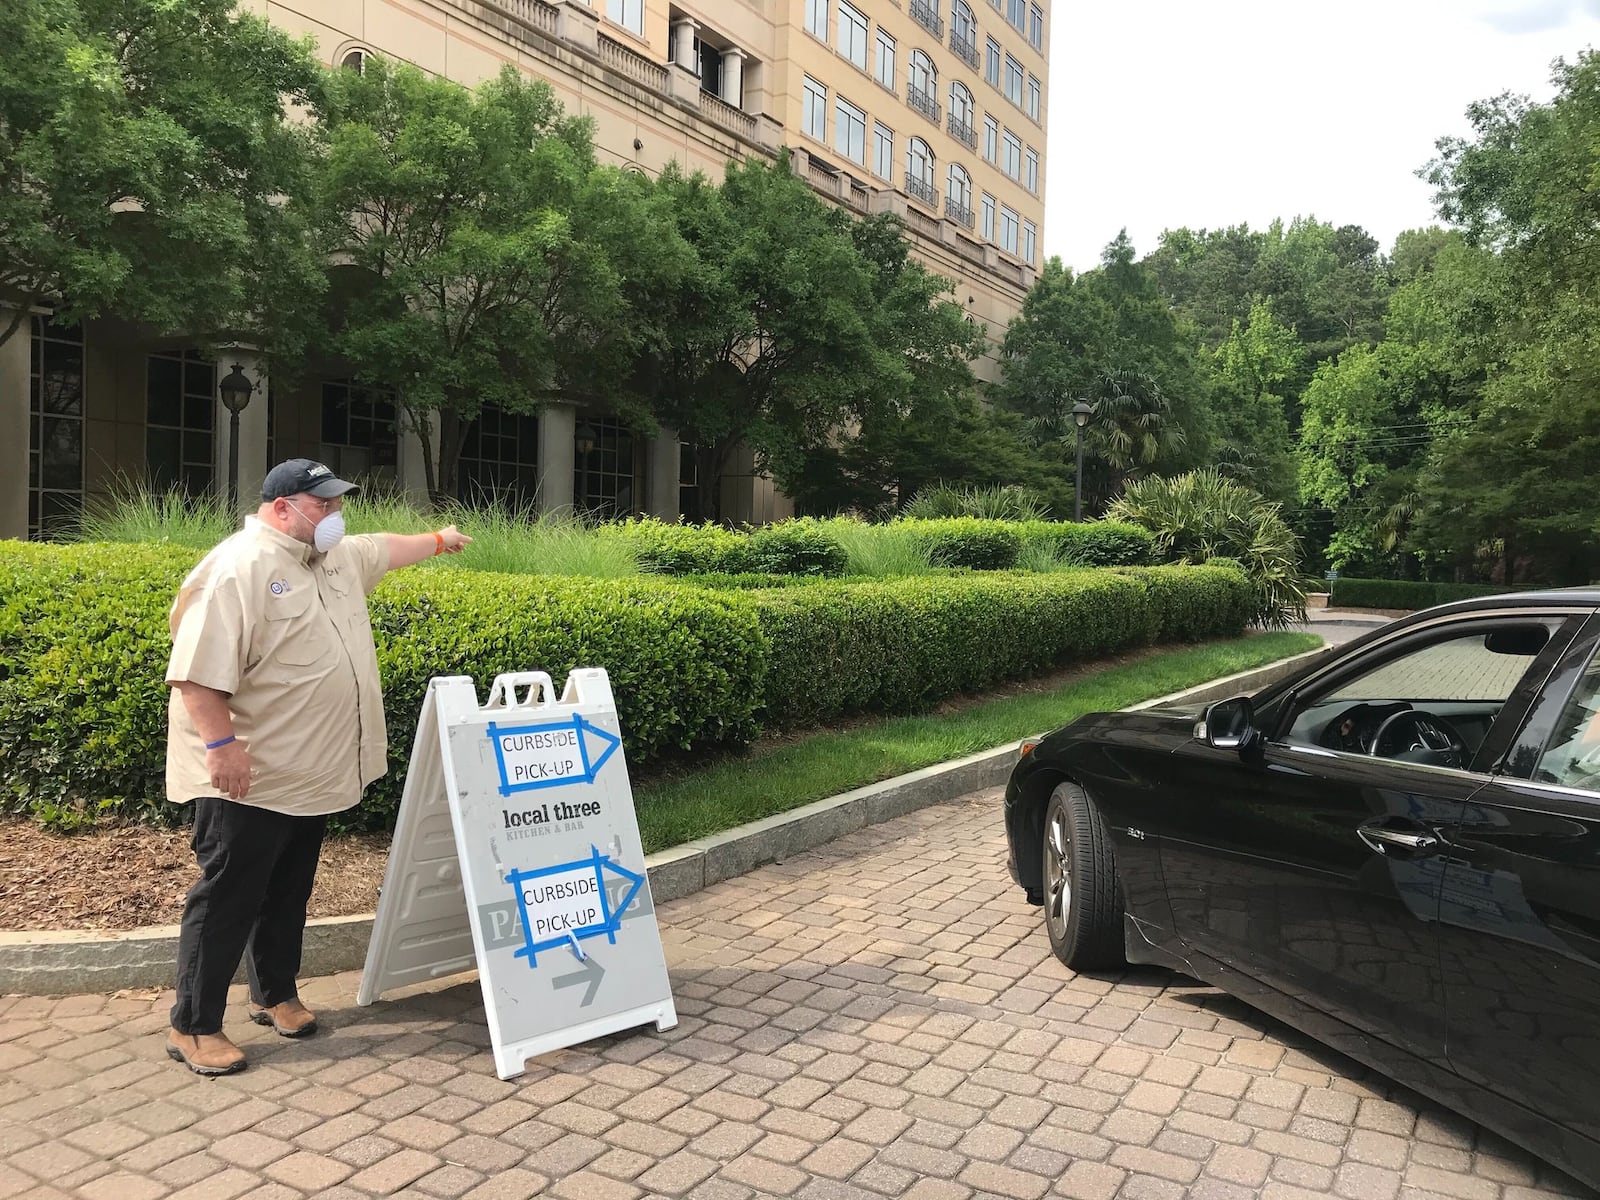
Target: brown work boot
x,y
291,1019
205,1053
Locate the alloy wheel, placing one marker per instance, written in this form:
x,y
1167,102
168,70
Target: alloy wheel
x,y
1057,883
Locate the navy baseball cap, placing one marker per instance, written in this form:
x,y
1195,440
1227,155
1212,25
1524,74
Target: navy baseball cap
x,y
304,475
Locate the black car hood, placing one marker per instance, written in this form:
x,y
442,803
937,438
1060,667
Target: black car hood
x,y
1166,721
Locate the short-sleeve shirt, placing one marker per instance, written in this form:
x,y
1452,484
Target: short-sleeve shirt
x,y
284,632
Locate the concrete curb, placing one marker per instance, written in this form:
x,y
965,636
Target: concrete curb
x,y
61,963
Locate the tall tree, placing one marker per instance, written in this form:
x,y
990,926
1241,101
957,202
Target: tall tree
x,y
145,161
1252,372
477,233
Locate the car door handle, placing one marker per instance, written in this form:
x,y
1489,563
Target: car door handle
x,y
1387,840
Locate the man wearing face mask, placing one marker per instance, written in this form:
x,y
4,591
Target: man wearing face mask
x,y
275,721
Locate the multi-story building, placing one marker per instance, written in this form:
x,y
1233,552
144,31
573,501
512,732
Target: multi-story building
x,y
932,109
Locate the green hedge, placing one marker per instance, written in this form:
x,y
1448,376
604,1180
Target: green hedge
x,y
83,651
1092,543
683,549
1403,593
974,542
895,646
802,547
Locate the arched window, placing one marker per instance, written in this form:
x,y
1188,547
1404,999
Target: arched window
x,y
963,110
354,59
924,75
960,187
919,162
962,27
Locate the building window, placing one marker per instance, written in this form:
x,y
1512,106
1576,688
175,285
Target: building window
x,y
1013,87
963,28
924,75
1017,14
958,196
627,13
919,172
603,478
180,417
962,109
55,429
1029,238
991,61
358,430
886,60
1036,26
852,35
988,218
1031,171
355,59
815,121
882,151
499,461
816,18
850,131
1035,94
1011,154
688,478
1008,230
991,139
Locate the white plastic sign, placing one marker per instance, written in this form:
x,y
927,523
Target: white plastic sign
x,y
517,849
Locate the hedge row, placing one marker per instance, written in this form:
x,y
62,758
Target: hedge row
x,y
897,645
808,547
83,649
1403,593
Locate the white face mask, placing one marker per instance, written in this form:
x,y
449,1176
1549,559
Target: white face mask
x,y
328,532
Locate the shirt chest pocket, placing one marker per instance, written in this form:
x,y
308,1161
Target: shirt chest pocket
x,y
298,632
347,605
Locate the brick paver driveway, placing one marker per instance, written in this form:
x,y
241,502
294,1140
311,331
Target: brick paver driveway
x,y
881,1018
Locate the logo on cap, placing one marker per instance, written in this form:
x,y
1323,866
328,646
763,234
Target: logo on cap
x,y
317,472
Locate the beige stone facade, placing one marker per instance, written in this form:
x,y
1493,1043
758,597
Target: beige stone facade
x,y
932,109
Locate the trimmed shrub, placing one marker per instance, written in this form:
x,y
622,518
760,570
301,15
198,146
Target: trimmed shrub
x,y
898,645
1091,543
971,542
803,547
682,549
1405,593
83,651
1003,503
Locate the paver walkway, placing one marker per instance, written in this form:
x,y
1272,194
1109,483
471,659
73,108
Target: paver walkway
x,y
879,1018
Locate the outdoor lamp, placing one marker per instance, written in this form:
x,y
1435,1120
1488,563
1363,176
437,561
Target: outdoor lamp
x,y
584,439
236,390
1081,412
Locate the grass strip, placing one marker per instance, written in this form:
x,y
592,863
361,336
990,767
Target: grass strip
x,y
776,779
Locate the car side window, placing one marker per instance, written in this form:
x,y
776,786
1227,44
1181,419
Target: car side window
x,y
1430,701
1571,756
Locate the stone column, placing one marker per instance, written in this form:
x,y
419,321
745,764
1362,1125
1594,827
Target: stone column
x,y
683,31
733,76
411,471
579,24
253,463
16,365
662,473
557,422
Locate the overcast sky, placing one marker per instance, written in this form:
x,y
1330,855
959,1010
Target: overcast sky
x,y
1172,112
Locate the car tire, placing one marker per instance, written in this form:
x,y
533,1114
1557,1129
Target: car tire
x,y
1082,899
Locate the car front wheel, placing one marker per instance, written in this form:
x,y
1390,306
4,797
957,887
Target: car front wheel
x,y
1082,902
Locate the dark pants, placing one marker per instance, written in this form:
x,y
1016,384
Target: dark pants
x,y
257,867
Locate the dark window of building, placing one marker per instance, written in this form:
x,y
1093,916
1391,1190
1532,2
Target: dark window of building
x,y
603,478
180,417
55,429
500,460
359,440
688,478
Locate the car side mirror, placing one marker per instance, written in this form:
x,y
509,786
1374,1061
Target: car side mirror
x,y
1230,725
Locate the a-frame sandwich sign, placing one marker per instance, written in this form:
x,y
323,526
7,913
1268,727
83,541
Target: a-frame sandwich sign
x,y
517,850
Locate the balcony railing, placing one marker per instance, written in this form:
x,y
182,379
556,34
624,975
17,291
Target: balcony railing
x,y
920,189
962,132
920,100
966,48
928,17
957,211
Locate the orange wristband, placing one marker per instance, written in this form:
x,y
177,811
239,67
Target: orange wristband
x,y
439,538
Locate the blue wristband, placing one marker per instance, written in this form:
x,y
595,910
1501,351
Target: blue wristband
x,y
219,744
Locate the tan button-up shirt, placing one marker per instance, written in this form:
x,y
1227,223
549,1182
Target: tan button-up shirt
x,y
284,632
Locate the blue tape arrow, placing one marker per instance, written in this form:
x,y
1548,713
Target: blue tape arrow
x,y
610,917
587,735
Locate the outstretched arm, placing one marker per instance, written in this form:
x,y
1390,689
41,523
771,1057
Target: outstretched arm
x,y
408,548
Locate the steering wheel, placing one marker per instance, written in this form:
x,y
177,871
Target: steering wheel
x,y
1428,732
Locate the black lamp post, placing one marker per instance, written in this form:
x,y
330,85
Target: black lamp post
x,y
1081,413
236,390
584,440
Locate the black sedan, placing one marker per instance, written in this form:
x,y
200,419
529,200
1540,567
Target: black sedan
x,y
1396,850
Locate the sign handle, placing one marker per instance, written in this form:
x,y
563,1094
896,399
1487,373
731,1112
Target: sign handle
x,y
541,690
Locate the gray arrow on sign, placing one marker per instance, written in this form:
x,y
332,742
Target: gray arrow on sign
x,y
590,973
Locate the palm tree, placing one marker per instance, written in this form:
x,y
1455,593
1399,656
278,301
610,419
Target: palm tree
x,y
1132,429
